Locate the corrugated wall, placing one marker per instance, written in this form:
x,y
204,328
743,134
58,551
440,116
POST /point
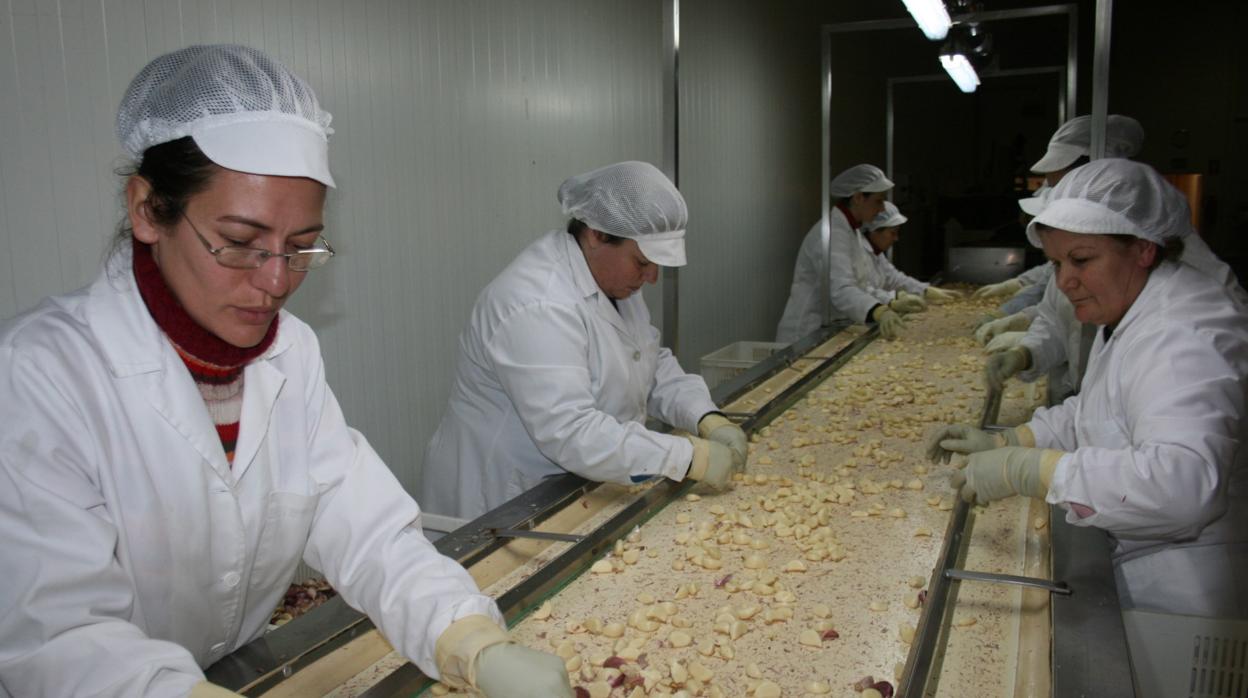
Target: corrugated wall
x,y
455,123
749,164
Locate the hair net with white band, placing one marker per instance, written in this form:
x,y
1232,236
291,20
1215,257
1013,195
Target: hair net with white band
x,y
859,178
890,217
1115,197
631,200
245,111
1124,137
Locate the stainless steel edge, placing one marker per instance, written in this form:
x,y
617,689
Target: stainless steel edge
x,y
1090,656
933,621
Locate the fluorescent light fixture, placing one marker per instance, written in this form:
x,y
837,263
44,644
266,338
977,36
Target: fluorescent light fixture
x,y
961,70
931,16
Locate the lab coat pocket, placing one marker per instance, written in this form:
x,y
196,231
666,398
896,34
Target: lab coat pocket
x,y
283,538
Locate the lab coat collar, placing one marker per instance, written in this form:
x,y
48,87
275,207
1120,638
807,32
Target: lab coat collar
x,y
136,348
1146,302
586,285
853,222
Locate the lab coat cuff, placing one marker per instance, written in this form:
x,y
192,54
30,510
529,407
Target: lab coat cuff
x,y
679,458
1061,481
461,643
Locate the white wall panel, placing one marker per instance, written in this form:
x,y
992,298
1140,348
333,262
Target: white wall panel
x,y
749,164
456,121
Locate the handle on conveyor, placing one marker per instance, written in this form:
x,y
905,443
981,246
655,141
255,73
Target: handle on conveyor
x,y
992,408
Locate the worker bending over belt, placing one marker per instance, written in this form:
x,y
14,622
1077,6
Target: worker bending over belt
x,y
559,365
835,257
171,451
1046,338
1153,448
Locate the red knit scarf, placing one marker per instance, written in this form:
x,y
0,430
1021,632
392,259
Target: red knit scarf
x,y
215,365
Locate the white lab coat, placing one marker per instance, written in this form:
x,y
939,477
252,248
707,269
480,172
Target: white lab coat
x,y
1157,450
1037,275
134,555
877,275
552,378
1053,339
1055,335
803,313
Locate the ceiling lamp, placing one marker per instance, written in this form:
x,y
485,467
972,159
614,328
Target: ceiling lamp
x,y
961,70
931,16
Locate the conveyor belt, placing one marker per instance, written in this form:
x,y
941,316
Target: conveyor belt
x,y
548,507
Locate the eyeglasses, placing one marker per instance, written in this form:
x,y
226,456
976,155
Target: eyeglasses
x,y
243,257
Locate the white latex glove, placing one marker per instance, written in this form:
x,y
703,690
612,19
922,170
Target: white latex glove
x,y
1006,288
1005,472
941,295
712,463
1004,341
1018,322
508,670
717,427
889,321
1001,367
960,438
908,303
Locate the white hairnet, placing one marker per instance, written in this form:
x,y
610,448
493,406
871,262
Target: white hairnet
x,y
859,178
1115,197
1035,203
245,111
890,217
1123,139
631,200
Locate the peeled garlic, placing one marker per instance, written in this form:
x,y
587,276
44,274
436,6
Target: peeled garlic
x,y
810,638
602,567
543,612
679,639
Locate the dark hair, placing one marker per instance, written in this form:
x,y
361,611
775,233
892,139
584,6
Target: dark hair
x,y
577,227
1170,251
176,171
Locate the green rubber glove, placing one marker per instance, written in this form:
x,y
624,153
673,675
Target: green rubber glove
x,y
508,670
941,295
1006,288
712,463
716,427
908,303
960,438
1005,472
889,321
1001,367
1004,342
1018,322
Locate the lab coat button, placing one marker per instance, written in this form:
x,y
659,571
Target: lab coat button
x,y
636,356
218,648
230,579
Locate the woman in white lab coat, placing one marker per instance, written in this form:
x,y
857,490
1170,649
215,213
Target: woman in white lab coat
x,y
560,367
1046,339
171,450
1152,449
831,261
875,271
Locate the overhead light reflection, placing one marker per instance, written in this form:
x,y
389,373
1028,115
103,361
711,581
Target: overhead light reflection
x,y
961,70
931,16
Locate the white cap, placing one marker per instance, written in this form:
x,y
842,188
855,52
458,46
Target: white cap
x,y
1123,139
631,200
1035,203
245,111
864,178
1115,197
888,218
